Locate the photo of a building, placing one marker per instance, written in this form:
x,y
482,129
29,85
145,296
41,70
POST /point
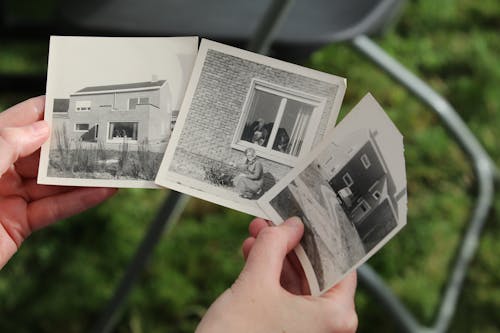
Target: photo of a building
x,y
112,103
350,194
111,114
115,131
366,190
242,102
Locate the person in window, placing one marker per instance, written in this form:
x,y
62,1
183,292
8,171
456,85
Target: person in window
x,y
249,183
259,132
258,138
282,140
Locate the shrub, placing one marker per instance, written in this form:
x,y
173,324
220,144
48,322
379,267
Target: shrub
x,y
220,174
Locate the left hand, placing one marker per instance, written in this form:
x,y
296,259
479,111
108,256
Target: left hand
x,y
26,206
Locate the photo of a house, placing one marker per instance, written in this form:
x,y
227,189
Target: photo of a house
x,y
366,190
329,236
110,114
112,103
119,130
350,194
246,116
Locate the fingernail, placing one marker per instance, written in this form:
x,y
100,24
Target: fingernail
x,y
294,221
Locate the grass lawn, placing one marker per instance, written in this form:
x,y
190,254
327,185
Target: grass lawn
x,y
63,276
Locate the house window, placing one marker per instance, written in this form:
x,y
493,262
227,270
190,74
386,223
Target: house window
x,y
119,131
133,102
81,127
82,106
365,161
347,179
277,121
360,211
376,195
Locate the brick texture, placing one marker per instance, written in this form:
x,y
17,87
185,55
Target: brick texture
x,y
216,109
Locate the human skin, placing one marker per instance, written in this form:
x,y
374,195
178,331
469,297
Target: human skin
x,y
26,206
269,295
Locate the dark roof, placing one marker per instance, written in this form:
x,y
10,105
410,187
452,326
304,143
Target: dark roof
x,y
137,85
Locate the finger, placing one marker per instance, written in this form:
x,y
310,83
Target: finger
x,y
299,270
24,113
292,275
338,304
290,279
27,167
16,142
343,292
265,260
256,226
36,191
247,246
51,209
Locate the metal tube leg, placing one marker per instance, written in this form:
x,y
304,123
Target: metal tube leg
x,y
268,27
175,203
483,166
169,212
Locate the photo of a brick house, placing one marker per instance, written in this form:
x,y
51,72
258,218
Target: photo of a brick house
x,y
110,114
239,103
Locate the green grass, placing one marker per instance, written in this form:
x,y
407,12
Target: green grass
x,y
63,276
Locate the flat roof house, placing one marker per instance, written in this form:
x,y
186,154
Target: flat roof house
x,y
113,114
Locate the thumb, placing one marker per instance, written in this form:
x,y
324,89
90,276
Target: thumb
x,y
266,257
16,142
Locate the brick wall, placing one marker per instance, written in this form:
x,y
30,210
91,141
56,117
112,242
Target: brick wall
x,y
217,105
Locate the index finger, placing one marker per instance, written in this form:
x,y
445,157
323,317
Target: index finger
x,y
343,292
24,113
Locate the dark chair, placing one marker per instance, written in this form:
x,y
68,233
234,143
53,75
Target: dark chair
x,y
294,29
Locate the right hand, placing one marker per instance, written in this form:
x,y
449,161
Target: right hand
x,y
258,302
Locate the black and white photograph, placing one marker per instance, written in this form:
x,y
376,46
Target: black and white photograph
x,y
112,103
350,194
245,122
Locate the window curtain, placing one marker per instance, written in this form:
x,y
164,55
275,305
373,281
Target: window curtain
x,y
134,131
111,130
299,130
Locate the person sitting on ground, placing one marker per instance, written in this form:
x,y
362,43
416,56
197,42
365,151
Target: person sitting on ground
x,y
249,183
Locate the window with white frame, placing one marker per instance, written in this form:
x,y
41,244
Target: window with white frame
x,y
347,179
365,161
133,102
278,121
120,131
82,127
82,106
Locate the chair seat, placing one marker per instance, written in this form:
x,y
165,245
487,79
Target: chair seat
x,y
308,22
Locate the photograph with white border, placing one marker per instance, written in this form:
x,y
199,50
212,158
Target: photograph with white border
x,y
350,194
245,121
112,103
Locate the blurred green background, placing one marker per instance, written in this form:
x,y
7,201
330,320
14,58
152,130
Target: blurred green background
x,y
63,276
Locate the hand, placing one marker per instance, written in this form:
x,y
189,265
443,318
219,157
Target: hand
x,y
26,206
258,302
